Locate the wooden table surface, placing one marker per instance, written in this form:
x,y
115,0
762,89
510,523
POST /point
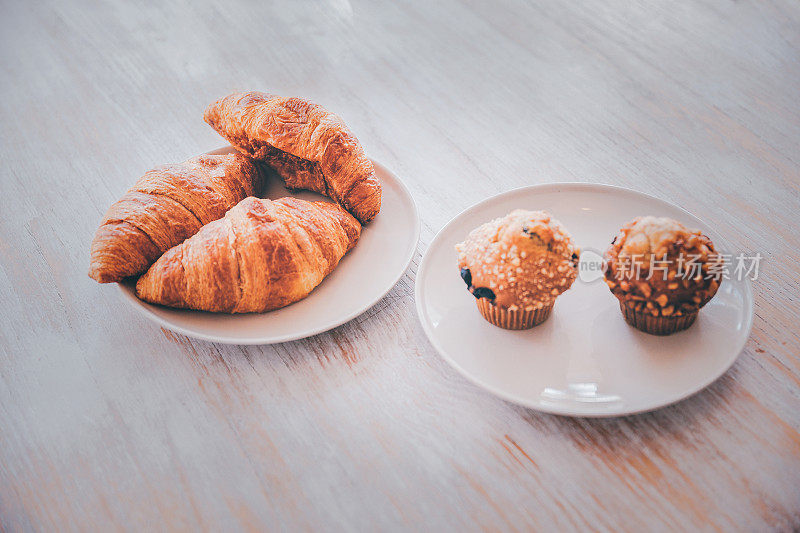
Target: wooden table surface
x,y
109,422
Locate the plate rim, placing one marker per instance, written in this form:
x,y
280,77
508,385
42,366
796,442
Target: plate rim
x,y
571,412
143,307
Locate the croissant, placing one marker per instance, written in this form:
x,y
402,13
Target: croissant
x,y
166,206
310,147
261,256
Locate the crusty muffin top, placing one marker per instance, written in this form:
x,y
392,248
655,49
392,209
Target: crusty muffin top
x,y
523,260
657,265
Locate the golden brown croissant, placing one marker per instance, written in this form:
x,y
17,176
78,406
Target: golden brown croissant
x,y
308,146
166,206
261,256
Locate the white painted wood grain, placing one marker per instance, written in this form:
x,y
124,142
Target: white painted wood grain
x,y
107,422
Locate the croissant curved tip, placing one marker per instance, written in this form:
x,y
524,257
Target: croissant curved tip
x,y
349,223
368,206
100,276
140,288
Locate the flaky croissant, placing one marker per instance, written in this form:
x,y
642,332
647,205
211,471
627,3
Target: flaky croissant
x,y
261,256
166,206
310,147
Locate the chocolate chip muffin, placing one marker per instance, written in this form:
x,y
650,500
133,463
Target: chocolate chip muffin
x,y
516,266
662,273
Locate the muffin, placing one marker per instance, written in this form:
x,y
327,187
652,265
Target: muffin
x,y
662,273
516,266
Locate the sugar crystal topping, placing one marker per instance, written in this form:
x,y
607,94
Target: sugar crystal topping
x,y
526,258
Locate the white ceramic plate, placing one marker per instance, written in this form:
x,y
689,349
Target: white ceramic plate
x,y
364,276
584,360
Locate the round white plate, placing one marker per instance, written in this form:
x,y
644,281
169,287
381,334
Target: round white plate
x,y
364,276
584,360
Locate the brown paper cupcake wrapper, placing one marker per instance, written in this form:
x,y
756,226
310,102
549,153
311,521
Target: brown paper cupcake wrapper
x,y
517,319
656,325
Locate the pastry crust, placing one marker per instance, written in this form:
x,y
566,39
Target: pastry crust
x,y
166,206
310,147
262,255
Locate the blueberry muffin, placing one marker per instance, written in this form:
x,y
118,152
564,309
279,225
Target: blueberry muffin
x,y
516,266
662,273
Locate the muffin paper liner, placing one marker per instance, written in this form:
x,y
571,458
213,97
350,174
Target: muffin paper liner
x,y
656,325
517,319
